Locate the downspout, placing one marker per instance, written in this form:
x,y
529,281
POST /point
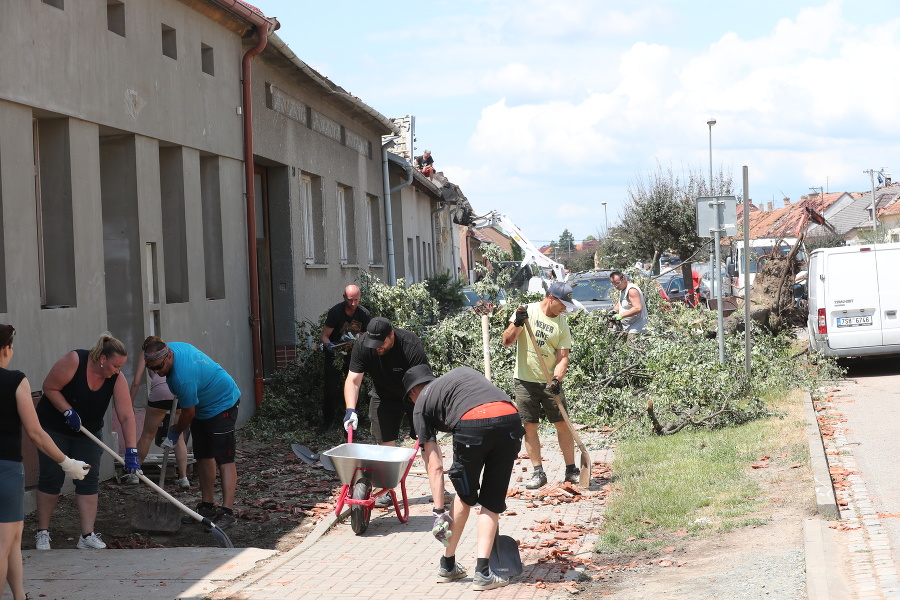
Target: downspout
x,y
433,241
388,217
255,333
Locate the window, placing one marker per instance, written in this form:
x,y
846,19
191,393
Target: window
x,y
346,227
373,230
207,59
172,202
895,237
53,209
115,17
313,214
211,207
169,42
55,3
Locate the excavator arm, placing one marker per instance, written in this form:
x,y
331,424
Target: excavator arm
x,y
531,252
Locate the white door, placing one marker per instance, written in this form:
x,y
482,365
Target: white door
x,y
851,298
888,260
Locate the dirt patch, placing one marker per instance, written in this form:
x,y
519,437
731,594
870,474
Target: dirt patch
x,y
279,499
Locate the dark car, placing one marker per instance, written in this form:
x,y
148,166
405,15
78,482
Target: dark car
x,y
673,288
594,290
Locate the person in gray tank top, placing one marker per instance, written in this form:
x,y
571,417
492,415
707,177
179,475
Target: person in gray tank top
x,y
631,309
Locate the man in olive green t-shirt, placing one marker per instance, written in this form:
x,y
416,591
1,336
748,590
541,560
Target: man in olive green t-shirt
x,y
551,329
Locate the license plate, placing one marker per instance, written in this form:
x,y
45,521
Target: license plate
x,y
853,321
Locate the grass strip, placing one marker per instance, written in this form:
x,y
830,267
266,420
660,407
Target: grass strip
x,y
697,480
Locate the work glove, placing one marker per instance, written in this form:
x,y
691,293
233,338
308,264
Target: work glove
x,y
171,439
441,528
75,468
131,461
521,316
72,419
328,348
555,386
617,318
351,419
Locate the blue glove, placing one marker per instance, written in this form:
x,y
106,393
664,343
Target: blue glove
x,y
72,419
171,439
441,528
351,419
131,461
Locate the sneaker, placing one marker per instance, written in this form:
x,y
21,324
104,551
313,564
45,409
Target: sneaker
x,y
538,479
91,542
445,576
492,580
573,476
224,519
208,512
42,539
129,479
183,483
385,501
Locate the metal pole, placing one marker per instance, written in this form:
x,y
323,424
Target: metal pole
x,y
605,221
721,317
711,122
747,337
874,208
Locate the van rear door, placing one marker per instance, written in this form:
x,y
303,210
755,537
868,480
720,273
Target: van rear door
x,y
888,260
851,298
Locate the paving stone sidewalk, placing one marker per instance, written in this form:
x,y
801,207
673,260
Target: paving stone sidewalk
x,y
397,560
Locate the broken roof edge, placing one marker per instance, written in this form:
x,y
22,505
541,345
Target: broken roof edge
x,y
328,85
249,13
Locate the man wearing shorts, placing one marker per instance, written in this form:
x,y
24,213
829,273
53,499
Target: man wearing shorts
x,y
487,437
551,329
208,398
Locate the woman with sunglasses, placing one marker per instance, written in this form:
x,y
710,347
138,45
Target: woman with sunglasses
x,y
77,393
17,413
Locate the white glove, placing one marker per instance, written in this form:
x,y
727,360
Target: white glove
x,y
350,419
75,468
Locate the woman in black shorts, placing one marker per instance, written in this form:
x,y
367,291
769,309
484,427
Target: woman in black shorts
x,y
17,412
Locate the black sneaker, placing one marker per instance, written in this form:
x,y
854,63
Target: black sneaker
x,y
205,511
538,479
573,476
224,519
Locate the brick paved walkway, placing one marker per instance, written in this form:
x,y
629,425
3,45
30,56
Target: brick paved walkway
x,y
396,560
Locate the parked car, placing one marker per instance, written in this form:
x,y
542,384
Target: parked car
x,y
673,288
473,299
593,289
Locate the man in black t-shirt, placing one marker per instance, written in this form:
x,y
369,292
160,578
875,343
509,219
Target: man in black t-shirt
x,y
487,436
345,321
385,353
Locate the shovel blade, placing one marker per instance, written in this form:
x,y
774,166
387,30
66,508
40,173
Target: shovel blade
x,y
157,515
310,457
505,558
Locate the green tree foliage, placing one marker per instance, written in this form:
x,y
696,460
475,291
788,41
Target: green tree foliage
x,y
446,292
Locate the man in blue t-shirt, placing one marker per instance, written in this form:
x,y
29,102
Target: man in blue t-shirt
x,y
208,399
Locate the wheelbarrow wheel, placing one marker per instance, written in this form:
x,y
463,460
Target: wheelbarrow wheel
x,y
360,515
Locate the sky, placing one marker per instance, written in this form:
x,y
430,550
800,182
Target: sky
x,y
546,109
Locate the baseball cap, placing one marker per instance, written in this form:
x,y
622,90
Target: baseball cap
x,y
563,292
378,330
416,375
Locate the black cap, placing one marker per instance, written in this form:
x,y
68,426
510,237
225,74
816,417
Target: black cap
x,y
378,330
416,375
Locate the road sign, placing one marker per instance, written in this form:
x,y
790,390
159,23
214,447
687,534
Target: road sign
x,y
716,213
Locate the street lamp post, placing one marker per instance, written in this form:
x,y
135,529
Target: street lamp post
x,y
871,173
605,221
710,122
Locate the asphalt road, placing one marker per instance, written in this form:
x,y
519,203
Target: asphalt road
x,y
871,404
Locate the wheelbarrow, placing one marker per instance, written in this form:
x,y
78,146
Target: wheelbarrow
x,y
363,468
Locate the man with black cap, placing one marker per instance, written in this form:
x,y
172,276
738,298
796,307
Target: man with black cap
x,y
532,393
487,437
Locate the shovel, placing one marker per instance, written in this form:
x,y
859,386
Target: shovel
x,y
310,457
505,558
223,540
585,476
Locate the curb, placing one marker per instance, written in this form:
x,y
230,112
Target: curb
x,y
824,578
826,503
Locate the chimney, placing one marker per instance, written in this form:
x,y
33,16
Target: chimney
x,y
787,201
768,207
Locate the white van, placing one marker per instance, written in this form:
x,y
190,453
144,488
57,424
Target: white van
x,y
854,296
